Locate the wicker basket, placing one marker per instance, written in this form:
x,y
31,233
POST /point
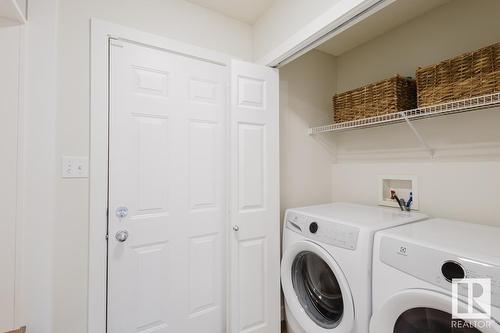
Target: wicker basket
x,y
388,96
468,75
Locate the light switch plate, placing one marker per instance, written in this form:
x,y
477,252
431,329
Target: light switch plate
x,y
75,167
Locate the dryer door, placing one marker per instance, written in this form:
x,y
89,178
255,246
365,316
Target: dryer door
x,y
425,311
316,290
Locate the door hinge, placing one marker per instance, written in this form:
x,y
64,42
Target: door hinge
x,y
107,236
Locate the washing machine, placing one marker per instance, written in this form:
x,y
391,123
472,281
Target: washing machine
x,y
326,265
414,267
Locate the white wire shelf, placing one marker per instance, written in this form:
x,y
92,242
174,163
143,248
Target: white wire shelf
x,y
470,104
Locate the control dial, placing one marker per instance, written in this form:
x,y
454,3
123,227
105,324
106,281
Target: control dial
x,y
313,227
452,270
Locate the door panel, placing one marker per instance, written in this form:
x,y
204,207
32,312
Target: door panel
x,y
252,274
203,165
167,167
153,159
202,275
255,262
251,166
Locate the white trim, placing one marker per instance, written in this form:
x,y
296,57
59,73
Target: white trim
x,y
340,17
100,33
227,189
19,306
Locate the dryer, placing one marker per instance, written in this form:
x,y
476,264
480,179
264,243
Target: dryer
x,y
326,265
413,271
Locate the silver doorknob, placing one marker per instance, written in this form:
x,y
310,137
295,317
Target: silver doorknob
x,y
121,236
236,228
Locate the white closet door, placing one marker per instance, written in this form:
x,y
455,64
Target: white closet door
x,y
254,199
167,172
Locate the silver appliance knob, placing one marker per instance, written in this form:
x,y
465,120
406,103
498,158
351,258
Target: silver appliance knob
x,y
121,236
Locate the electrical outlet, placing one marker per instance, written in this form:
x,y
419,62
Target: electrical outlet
x,y
75,167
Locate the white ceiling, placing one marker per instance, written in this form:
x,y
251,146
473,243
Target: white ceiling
x,y
247,11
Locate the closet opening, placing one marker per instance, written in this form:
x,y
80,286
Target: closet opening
x,y
389,116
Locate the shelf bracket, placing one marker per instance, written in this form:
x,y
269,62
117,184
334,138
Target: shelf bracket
x,y
417,134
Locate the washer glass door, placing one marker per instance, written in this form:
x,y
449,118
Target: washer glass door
x,y
425,311
317,289
425,320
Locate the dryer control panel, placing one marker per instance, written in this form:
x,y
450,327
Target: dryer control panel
x,y
323,231
438,267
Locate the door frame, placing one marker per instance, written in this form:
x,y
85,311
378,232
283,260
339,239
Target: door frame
x,y
101,33
345,14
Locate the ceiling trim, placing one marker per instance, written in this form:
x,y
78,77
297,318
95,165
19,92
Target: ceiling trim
x,y
339,18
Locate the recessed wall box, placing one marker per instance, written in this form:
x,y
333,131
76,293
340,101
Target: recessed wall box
x,y
402,185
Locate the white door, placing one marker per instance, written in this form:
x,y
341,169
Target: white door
x,y
254,200
167,173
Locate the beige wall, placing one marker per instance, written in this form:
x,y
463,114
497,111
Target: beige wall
x,y
305,164
467,191
57,123
449,30
40,108
462,182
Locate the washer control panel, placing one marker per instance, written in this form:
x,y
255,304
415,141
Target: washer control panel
x,y
323,231
438,267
